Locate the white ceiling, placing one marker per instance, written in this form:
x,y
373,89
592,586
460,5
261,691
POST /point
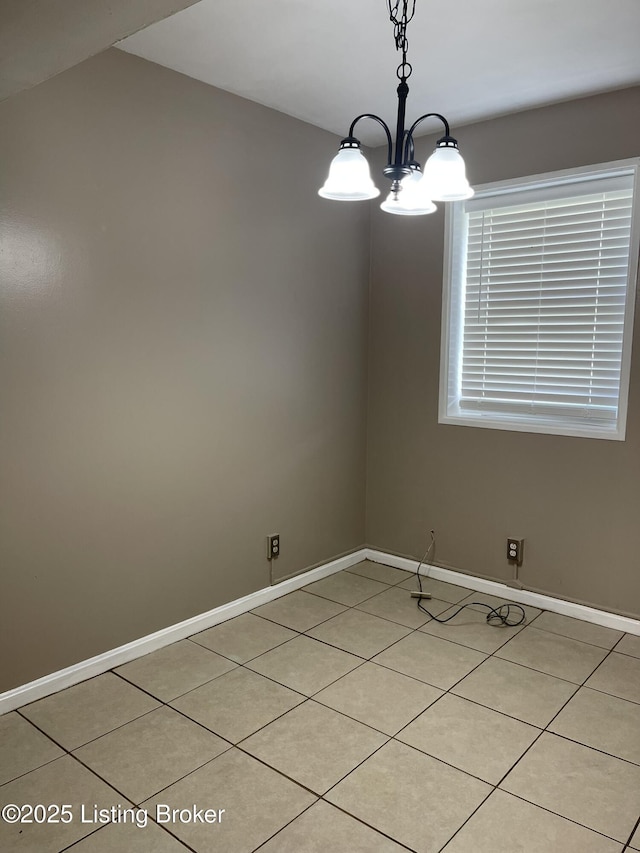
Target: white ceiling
x,y
325,61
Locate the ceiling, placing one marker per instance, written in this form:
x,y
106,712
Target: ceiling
x,y
325,61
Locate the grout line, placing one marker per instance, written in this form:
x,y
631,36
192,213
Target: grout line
x,y
544,809
180,695
59,692
57,743
468,818
575,684
443,760
297,690
627,845
353,769
563,817
138,803
613,695
578,687
370,657
120,726
263,727
351,606
248,660
388,738
80,840
368,825
585,642
573,639
545,730
593,748
311,627
280,772
162,828
33,769
282,828
407,574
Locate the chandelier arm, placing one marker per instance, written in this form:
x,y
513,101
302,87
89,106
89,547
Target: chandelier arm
x,y
349,175
384,126
409,136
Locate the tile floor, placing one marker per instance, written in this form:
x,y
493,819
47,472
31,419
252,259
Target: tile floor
x,y
340,719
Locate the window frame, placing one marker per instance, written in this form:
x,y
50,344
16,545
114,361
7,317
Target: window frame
x,y
452,326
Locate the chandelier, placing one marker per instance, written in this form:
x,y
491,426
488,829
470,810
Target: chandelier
x,y
413,190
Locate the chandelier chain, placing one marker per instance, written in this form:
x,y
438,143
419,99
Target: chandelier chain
x,y
400,13
413,190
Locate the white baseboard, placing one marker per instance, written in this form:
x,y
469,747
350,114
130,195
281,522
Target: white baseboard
x,y
520,596
34,690
56,681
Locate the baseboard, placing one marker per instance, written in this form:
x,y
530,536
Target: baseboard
x,y
56,681
520,596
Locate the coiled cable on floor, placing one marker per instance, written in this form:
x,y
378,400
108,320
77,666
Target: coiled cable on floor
x,y
498,616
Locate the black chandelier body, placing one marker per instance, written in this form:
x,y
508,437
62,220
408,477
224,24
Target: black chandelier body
x,y
412,191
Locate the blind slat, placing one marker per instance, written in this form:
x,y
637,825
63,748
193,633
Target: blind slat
x,y
543,302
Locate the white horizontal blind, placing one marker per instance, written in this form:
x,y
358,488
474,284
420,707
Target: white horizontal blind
x,y
544,302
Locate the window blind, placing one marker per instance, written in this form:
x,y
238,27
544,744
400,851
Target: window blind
x,y
544,295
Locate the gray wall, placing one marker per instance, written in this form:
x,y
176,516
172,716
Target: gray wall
x,y
183,365
39,39
183,357
576,501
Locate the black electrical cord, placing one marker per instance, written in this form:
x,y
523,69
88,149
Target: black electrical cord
x,y
496,615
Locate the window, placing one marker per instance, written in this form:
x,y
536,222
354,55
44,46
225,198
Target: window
x,y
538,303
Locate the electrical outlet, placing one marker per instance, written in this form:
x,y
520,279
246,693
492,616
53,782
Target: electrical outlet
x,y
273,546
514,550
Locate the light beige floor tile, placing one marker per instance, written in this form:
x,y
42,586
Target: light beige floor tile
x,y
379,697
578,783
63,781
89,709
507,824
150,753
578,629
397,605
238,704
299,610
346,588
314,745
603,722
470,628
618,675
560,656
130,838
629,645
257,802
483,598
359,633
438,662
380,572
324,828
439,589
23,747
410,796
305,665
635,841
175,669
244,637
471,737
515,690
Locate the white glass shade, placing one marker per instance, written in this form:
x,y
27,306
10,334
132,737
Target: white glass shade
x,y
410,200
349,177
444,176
